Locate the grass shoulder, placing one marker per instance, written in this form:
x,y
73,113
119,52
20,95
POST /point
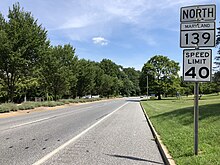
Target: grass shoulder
x,y
173,121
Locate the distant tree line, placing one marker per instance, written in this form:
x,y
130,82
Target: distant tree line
x,y
31,67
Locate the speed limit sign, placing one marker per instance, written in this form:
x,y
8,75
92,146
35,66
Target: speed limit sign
x,y
197,65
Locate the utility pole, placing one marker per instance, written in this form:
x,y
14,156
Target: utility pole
x,y
147,87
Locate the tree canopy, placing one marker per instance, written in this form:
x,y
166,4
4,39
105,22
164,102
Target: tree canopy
x,y
162,76
22,45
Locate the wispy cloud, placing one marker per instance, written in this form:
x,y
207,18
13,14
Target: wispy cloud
x,y
80,20
100,41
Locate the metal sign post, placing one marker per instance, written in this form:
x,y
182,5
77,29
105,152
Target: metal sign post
x,y
197,29
196,117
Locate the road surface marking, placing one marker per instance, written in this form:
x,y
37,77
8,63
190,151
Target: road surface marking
x,y
45,158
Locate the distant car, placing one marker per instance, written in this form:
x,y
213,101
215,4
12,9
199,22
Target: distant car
x,y
87,97
141,96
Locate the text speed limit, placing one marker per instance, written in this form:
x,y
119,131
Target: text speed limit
x,y
197,65
192,39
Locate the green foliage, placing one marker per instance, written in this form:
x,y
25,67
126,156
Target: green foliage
x,y
162,75
28,105
110,68
134,77
51,103
152,98
85,77
7,107
58,70
22,44
217,57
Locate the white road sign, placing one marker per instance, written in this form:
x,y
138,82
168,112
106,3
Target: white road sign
x,y
197,38
198,13
197,65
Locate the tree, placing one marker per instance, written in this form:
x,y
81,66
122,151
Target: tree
x,y
58,71
86,78
107,85
134,77
188,87
98,79
22,44
162,75
217,58
110,68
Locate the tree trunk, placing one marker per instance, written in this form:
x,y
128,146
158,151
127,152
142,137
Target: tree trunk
x,y
159,96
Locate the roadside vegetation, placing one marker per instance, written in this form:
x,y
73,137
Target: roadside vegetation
x,y
173,121
31,68
9,107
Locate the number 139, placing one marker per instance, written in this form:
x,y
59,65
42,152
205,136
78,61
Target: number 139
x,y
196,38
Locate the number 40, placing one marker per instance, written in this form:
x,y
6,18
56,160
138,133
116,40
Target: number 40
x,y
192,72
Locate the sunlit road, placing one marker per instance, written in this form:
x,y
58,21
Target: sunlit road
x,y
109,132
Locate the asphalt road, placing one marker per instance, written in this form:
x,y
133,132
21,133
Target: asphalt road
x,y
109,132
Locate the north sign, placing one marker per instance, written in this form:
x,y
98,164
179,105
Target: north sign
x,y
197,65
198,13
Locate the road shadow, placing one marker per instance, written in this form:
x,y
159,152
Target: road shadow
x,y
133,158
185,115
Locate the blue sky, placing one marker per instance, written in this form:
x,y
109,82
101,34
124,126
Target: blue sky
x,y
129,32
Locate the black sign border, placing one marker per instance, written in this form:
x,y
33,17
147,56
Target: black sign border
x,y
184,68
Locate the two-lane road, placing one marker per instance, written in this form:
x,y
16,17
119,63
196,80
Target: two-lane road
x,y
39,137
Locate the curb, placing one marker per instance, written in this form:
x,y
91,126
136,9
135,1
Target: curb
x,y
167,158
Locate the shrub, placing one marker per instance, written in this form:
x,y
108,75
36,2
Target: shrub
x,y
51,103
152,98
7,107
28,105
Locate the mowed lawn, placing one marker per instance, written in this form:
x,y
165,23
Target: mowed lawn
x,y
173,121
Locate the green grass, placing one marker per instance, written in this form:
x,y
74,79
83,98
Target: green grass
x,y
173,121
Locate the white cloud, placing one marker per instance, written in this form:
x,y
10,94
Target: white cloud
x,y
80,20
100,41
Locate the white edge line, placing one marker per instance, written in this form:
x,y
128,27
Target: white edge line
x,y
31,122
46,157
46,118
